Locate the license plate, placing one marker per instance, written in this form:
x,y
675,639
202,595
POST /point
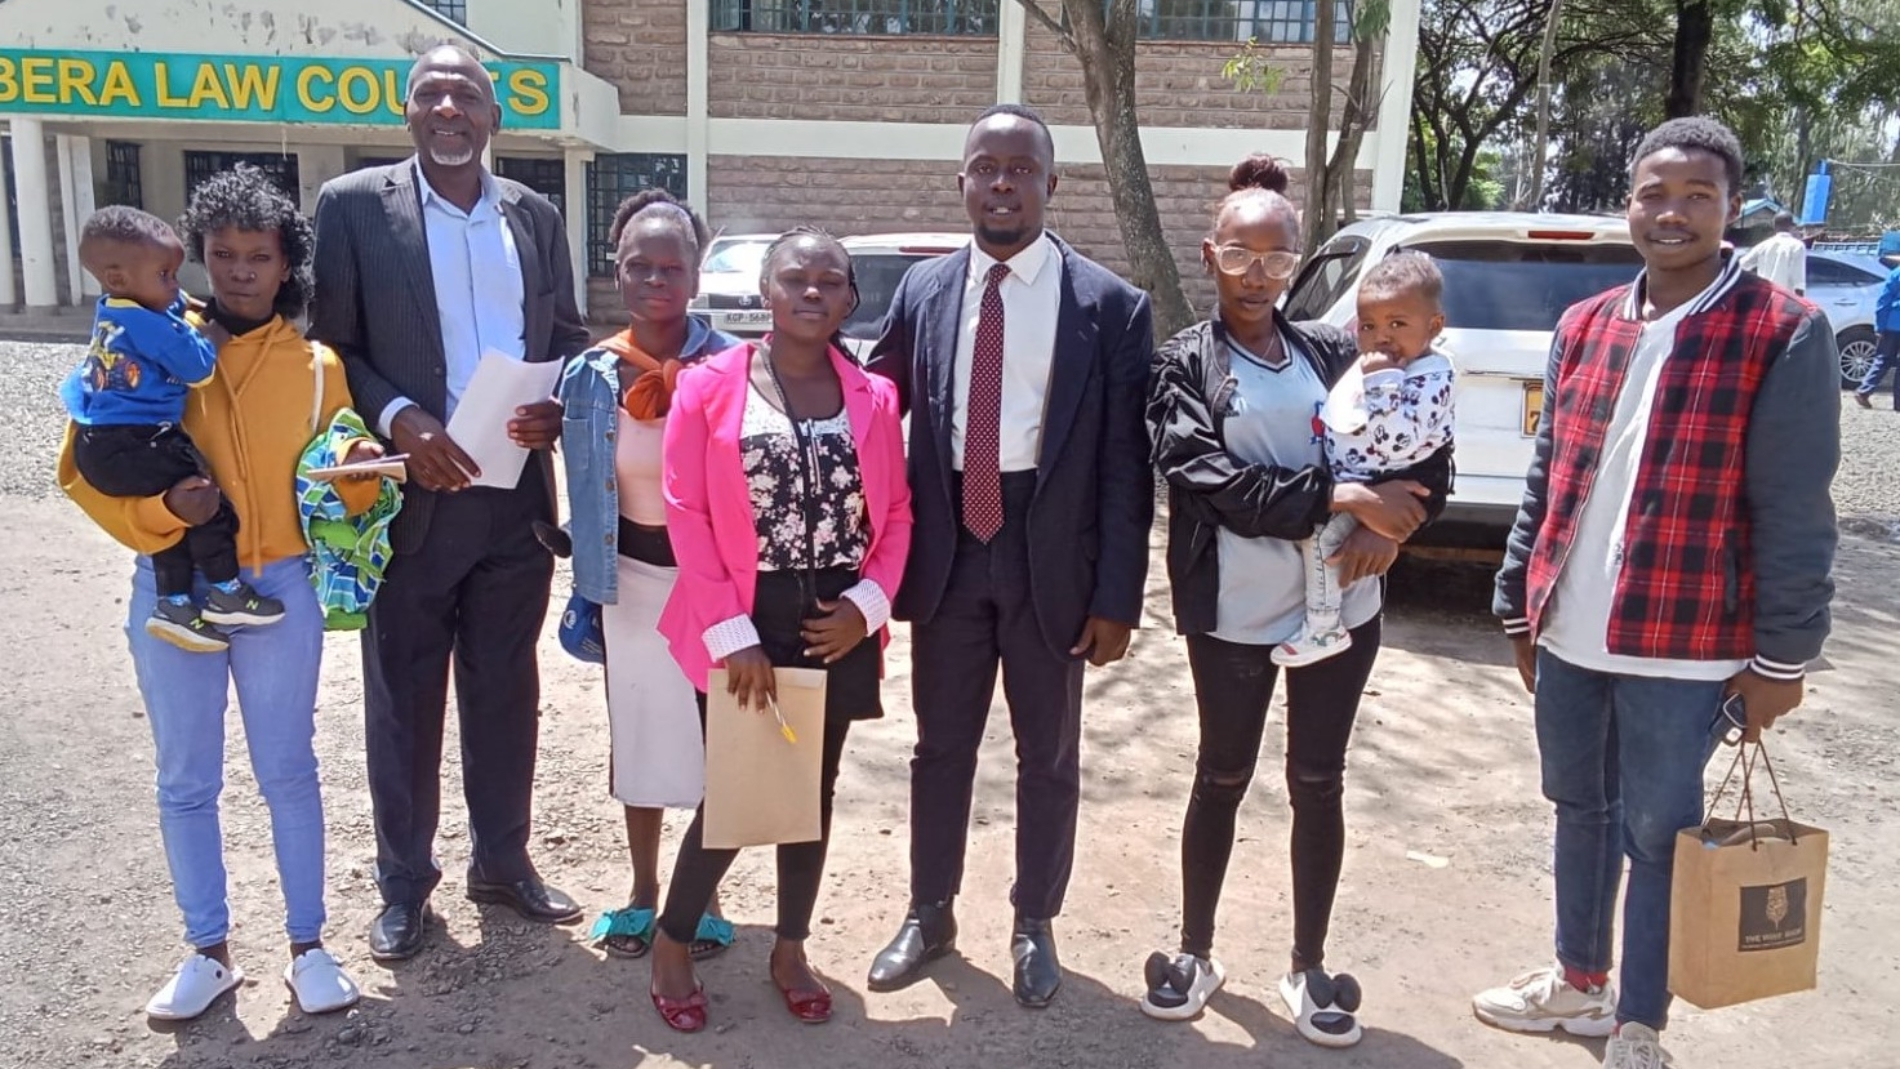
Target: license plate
x,y
747,319
1533,407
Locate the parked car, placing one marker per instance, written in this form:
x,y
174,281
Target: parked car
x,y
1509,276
1846,285
729,284
879,261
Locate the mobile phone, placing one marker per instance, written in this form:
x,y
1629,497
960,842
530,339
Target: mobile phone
x,y
1732,717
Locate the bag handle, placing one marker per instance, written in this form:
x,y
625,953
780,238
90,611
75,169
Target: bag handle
x,y
1746,756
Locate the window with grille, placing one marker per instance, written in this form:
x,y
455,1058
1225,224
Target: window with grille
x,y
453,10
544,176
612,178
280,169
1271,22
125,180
955,18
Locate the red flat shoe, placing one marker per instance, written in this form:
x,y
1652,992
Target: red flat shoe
x,y
811,1007
689,1014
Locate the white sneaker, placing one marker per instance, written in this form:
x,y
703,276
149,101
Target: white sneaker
x,y
1636,1046
1543,1001
1179,987
192,989
320,983
1313,645
1323,1006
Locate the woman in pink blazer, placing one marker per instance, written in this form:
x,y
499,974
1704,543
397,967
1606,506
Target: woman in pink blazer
x,y
789,513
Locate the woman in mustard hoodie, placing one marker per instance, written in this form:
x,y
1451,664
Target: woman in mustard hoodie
x,y
252,423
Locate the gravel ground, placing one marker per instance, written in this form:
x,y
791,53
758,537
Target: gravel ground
x,y
1867,490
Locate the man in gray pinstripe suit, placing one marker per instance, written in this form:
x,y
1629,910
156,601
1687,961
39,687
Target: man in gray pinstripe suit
x,y
421,267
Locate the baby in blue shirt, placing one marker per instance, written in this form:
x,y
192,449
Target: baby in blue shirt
x,y
127,400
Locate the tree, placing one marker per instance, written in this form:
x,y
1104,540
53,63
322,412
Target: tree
x,y
1103,42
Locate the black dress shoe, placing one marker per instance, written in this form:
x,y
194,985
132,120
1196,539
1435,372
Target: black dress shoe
x,y
1038,971
929,932
530,897
396,933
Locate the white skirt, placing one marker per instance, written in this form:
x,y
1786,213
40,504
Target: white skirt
x,y
658,759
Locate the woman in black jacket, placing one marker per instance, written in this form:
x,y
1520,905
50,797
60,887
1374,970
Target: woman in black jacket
x,y
1234,414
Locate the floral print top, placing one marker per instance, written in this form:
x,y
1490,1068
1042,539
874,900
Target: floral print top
x,y
774,473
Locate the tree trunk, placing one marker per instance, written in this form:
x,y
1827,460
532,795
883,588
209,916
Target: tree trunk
x,y
1106,50
1340,170
1695,29
1317,223
1540,143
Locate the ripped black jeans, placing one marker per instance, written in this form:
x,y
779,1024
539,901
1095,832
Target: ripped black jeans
x,y
1233,685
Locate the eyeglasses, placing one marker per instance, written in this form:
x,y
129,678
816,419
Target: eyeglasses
x,y
1238,260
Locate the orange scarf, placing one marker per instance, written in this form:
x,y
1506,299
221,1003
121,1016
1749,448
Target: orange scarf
x,y
650,394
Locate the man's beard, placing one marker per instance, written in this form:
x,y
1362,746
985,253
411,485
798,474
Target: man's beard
x,y
993,236
446,158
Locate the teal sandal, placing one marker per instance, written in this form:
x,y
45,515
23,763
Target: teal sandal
x,y
715,934
624,933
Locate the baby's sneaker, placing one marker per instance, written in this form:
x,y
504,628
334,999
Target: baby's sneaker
x,y
241,606
1314,643
180,623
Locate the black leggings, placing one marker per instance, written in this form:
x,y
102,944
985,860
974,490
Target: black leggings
x,y
801,866
1233,685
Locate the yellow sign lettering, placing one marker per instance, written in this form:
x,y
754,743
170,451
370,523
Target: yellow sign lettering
x,y
75,82
253,86
528,91
119,86
36,80
9,82
306,91
163,82
355,80
392,95
207,87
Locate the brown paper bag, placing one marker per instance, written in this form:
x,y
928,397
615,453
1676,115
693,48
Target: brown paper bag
x,y
1745,912
762,788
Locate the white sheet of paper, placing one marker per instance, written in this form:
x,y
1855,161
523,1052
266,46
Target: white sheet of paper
x,y
500,385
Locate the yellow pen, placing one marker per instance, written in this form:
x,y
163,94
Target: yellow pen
x,y
783,728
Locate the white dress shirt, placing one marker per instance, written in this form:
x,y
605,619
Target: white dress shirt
x,y
1782,259
478,288
1032,298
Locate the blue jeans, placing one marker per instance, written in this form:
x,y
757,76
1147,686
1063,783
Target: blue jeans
x,y
275,671
1622,762
1886,358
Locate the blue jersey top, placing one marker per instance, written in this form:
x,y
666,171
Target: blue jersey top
x,y
140,367
1887,305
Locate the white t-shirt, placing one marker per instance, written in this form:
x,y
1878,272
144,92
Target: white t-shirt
x,y
1273,418
1576,625
1782,259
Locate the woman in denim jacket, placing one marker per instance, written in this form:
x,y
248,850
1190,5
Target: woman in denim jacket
x,y
616,397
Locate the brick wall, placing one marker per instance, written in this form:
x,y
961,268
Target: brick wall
x,y
639,46
851,79
1179,83
756,193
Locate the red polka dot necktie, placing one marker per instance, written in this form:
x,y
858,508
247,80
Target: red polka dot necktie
x,y
983,416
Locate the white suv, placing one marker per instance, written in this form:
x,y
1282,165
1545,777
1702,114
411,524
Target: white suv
x,y
1508,278
879,262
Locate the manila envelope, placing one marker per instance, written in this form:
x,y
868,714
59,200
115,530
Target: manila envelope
x,y
760,787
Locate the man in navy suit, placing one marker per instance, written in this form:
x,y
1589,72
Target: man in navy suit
x,y
1024,367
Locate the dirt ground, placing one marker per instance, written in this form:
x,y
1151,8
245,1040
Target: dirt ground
x,y
1443,766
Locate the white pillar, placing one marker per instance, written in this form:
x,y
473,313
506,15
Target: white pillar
x,y
575,178
69,214
698,126
1400,64
84,205
36,214
1012,30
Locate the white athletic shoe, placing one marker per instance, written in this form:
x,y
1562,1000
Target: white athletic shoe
x,y
1636,1046
1323,1006
319,982
1179,987
192,989
1543,1001
1313,645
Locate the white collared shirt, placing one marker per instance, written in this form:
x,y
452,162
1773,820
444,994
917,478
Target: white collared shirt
x,y
478,287
1032,298
1782,259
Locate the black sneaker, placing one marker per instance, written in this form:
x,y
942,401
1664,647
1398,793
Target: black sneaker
x,y
246,607
182,626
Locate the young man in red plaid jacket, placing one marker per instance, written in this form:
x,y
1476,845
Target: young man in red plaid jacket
x,y
1673,548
